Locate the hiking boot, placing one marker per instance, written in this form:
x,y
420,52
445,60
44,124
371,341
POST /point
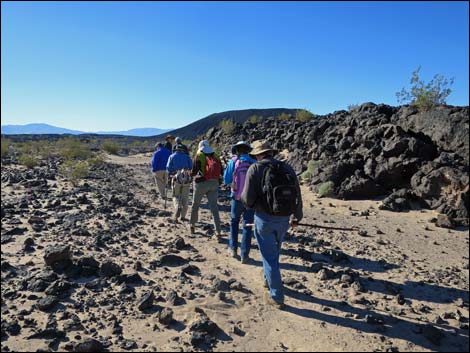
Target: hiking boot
x,y
270,301
245,260
232,252
184,219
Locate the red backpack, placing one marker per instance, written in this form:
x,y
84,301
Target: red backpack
x,y
213,168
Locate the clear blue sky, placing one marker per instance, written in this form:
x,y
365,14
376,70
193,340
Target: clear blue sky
x,y
121,65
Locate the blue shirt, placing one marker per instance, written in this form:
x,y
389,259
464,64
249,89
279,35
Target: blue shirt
x,y
177,161
228,173
160,159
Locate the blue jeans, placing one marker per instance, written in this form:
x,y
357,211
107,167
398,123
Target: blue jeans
x,y
237,209
269,233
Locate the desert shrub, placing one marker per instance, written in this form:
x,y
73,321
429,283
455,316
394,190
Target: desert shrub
x,y
227,125
284,116
303,115
426,96
74,170
254,119
72,148
326,189
110,146
5,147
28,160
311,166
96,161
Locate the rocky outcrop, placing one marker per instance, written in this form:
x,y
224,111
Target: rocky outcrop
x,y
375,150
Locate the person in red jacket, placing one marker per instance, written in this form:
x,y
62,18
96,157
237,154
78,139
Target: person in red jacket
x,y
207,173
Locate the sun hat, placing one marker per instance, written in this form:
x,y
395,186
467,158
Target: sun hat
x,y
238,144
260,147
204,147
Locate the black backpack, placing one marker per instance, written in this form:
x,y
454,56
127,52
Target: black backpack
x,y
280,189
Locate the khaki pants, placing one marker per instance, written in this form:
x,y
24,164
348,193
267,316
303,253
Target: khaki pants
x,y
160,180
209,188
181,199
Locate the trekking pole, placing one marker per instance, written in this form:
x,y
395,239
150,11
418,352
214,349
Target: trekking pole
x,y
166,186
316,226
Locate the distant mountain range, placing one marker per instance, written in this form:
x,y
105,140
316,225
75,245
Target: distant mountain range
x,y
189,132
46,129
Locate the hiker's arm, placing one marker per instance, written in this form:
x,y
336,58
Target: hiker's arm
x,y
196,166
299,213
169,166
190,163
154,162
250,191
228,174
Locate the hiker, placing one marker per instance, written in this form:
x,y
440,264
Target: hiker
x,y
170,139
207,171
179,169
235,175
273,190
179,142
159,162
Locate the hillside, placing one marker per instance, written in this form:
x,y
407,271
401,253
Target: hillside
x,y
416,159
201,126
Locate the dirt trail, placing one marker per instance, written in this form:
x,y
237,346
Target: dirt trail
x,y
399,285
329,315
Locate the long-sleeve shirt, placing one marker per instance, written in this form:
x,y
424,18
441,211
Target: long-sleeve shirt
x,y
160,159
252,195
178,161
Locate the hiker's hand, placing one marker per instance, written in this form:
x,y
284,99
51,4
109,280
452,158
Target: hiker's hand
x,y
294,223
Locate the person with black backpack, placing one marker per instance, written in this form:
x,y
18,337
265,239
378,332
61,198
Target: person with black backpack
x,y
207,173
235,176
273,190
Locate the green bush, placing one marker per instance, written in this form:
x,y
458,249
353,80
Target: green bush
x,y
284,116
5,147
110,146
326,189
303,115
72,148
227,125
96,161
254,119
28,160
312,165
74,170
426,96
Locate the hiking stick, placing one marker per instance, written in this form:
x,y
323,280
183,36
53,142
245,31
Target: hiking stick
x,y
315,226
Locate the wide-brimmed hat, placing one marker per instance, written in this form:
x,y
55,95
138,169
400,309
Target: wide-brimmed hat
x,y
204,147
260,147
170,137
238,144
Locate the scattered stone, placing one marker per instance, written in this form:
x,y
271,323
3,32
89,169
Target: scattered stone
x,y
110,269
47,303
146,302
165,317
88,345
55,254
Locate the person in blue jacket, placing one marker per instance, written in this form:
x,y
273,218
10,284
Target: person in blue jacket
x,y
179,168
159,162
234,175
